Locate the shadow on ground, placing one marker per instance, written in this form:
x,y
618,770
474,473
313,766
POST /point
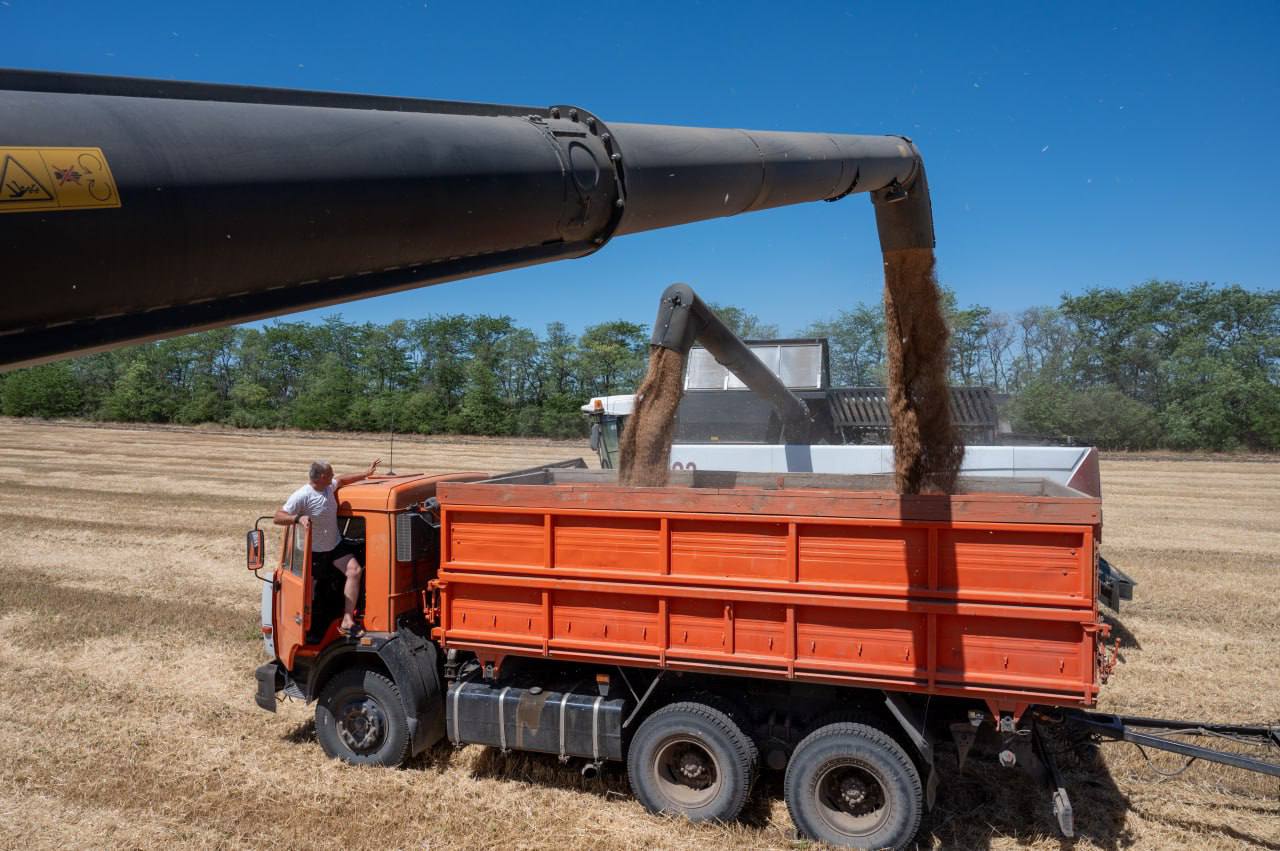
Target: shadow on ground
x,y
1128,641
975,808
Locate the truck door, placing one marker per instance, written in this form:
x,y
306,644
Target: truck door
x,y
293,597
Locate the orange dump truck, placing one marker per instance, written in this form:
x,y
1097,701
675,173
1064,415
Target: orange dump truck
x,y
701,632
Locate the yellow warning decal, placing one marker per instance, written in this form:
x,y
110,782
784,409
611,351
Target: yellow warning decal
x,y
39,179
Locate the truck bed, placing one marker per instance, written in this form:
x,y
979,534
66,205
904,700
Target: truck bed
x,y
990,592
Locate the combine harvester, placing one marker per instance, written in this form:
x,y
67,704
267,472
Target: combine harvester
x,y
815,623
766,406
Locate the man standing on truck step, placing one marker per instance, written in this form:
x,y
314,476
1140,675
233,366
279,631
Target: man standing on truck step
x,y
316,504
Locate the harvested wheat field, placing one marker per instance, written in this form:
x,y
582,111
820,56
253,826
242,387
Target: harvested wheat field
x,y
129,638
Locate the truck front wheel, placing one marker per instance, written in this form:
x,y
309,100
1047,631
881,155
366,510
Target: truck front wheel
x,y
852,785
361,720
692,760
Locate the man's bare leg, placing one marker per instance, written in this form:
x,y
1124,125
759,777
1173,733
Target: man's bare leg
x,y
351,569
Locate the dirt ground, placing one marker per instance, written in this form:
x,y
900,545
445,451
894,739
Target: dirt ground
x,y
128,639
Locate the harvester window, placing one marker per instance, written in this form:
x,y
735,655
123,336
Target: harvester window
x,y
610,428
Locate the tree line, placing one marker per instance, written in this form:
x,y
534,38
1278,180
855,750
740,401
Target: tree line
x,y
1162,364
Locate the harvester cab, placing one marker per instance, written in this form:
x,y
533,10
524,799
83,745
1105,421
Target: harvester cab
x,y
608,415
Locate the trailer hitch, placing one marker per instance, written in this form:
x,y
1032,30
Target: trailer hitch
x,y
1121,728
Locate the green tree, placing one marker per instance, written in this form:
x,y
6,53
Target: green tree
x,y
143,393
252,406
1203,358
483,410
1162,363
324,402
855,339
1043,344
439,347
613,357
50,390
559,398
1096,416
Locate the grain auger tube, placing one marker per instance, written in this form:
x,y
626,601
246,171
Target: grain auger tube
x,y
163,207
684,319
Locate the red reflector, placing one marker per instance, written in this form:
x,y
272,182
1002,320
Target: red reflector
x,y
266,630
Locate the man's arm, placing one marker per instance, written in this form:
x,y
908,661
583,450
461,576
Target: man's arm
x,y
290,513
287,518
352,478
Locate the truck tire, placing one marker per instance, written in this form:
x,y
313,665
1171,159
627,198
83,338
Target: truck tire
x,y
852,785
692,760
360,719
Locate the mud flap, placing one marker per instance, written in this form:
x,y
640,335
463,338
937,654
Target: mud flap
x,y
919,735
268,677
964,734
413,662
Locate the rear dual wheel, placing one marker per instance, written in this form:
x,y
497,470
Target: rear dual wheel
x,y
692,760
852,785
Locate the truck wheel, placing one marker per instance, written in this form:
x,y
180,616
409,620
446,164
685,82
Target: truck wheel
x,y
360,719
692,760
853,785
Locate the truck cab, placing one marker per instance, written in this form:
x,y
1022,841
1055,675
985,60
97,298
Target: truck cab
x,y
391,523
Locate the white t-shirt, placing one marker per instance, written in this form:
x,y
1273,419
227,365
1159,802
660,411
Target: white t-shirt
x,y
322,508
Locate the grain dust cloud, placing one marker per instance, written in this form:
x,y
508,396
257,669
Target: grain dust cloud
x,y
927,449
645,446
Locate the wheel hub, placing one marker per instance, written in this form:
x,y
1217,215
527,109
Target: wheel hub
x,y
361,725
853,796
693,767
852,791
686,773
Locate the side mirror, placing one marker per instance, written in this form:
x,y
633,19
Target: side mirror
x,y
595,437
255,550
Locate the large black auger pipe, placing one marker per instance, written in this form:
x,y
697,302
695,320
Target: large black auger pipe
x,y
134,209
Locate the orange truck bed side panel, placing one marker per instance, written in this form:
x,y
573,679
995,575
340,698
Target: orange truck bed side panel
x,y
1003,610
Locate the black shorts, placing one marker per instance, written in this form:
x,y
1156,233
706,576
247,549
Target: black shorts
x,y
320,561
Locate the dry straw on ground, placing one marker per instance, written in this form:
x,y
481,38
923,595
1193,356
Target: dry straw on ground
x,y
128,639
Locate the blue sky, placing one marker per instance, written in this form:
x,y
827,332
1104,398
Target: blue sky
x,y
1068,145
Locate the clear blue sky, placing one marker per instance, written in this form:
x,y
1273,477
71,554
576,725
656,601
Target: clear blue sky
x,y
1068,145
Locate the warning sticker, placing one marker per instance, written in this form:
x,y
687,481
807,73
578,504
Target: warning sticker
x,y
37,179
